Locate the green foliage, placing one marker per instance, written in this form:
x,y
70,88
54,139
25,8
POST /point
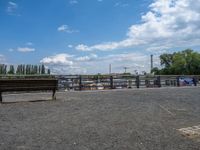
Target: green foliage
x,y
155,70
42,69
11,70
3,69
127,73
186,62
24,70
48,71
166,60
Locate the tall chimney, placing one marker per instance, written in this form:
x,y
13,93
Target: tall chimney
x,y
110,69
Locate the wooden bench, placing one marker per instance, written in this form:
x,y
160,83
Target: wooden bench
x,y
14,85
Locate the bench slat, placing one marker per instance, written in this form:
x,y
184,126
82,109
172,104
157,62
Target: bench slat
x,y
10,85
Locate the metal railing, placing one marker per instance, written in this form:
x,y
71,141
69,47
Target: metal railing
x,y
95,82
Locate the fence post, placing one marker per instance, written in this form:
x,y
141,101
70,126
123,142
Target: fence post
x,y
80,83
0,97
97,80
129,83
178,81
111,82
138,81
195,81
159,81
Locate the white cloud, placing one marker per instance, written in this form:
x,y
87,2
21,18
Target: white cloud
x,y
10,49
70,46
83,47
63,64
169,22
25,49
59,59
73,2
158,48
29,43
66,28
12,8
91,57
92,64
120,4
100,0
109,45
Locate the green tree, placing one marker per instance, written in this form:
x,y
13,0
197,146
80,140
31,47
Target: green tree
x,y
49,71
166,60
42,69
3,69
155,71
185,62
11,70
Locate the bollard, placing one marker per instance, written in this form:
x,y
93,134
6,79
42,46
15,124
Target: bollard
x,y
0,97
158,81
194,81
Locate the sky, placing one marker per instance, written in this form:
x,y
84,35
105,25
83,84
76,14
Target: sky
x,y
86,36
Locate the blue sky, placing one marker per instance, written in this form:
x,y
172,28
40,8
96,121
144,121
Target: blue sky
x,y
85,36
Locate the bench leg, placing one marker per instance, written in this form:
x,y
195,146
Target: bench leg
x,y
54,95
0,97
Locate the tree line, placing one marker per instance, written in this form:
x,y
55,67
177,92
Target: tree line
x,y
186,62
23,70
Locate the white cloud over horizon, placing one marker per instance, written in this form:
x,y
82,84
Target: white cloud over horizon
x,y
58,59
62,64
168,24
91,64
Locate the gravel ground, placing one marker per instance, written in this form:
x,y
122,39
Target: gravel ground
x,y
145,119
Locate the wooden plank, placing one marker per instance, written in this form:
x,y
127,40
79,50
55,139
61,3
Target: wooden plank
x,y
10,85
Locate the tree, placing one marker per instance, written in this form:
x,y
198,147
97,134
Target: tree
x,y
155,70
24,69
42,69
166,60
11,70
49,71
3,69
19,70
35,69
185,62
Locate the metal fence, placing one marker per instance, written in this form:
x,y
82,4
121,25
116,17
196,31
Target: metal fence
x,y
100,82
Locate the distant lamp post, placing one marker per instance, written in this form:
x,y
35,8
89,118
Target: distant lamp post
x,y
125,69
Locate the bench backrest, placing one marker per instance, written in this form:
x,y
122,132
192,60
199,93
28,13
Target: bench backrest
x,y
7,85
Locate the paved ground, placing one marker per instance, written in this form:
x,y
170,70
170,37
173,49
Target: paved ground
x,y
146,119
